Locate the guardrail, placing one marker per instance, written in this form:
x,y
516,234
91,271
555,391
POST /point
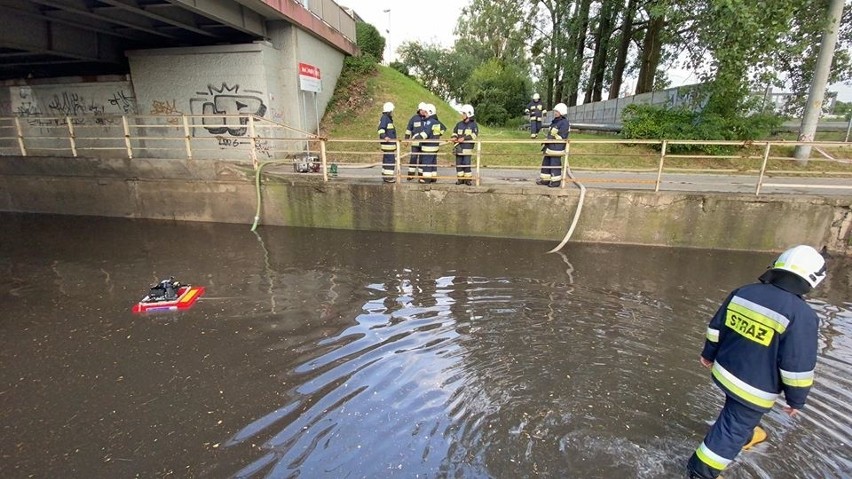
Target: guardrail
x,y
261,141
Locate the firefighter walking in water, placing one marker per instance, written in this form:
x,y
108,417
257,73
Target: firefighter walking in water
x,y
551,163
536,111
413,130
387,135
463,135
761,342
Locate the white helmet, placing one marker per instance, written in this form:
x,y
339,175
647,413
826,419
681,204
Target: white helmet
x,y
421,106
561,108
467,110
803,261
535,96
430,109
387,108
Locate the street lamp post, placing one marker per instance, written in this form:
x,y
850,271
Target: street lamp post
x,y
390,44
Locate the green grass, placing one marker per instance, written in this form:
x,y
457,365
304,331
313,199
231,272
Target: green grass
x,y
351,127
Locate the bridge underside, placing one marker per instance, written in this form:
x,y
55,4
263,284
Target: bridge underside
x,y
51,38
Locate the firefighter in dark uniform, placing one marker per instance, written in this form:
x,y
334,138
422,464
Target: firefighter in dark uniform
x,y
551,163
761,342
415,127
432,131
536,111
387,135
463,135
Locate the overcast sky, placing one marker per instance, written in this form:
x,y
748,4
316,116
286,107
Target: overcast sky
x,y
435,21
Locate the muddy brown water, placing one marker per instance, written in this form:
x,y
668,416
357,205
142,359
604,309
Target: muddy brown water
x,y
339,354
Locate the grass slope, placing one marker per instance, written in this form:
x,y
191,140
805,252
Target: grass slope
x,y
351,125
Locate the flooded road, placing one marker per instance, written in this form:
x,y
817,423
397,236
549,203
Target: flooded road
x,y
337,354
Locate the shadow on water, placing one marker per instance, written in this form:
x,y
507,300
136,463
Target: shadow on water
x,y
319,353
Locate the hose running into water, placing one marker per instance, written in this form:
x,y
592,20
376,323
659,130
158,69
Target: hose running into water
x,y
554,250
257,188
576,213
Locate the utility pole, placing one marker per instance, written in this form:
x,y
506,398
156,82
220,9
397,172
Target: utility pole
x,y
816,95
390,44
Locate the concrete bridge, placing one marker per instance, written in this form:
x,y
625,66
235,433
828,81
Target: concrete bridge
x,y
276,59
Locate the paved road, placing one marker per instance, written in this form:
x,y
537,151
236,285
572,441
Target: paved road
x,y
732,183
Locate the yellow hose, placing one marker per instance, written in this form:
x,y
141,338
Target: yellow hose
x,y
257,188
576,213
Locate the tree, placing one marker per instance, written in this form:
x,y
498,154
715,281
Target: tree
x,y
605,20
498,91
843,109
442,71
624,41
651,50
494,29
369,40
577,31
797,60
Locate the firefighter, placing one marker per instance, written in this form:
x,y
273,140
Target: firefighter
x,y
536,111
387,135
761,342
432,131
463,135
551,163
415,127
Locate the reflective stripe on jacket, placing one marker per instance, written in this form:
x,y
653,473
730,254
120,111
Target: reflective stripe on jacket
x,y
559,130
466,131
432,130
535,110
763,341
415,126
387,132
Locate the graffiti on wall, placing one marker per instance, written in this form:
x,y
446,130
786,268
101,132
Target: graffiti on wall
x,y
223,101
169,108
50,105
123,101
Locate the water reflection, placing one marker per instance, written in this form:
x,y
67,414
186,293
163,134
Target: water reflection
x,y
343,354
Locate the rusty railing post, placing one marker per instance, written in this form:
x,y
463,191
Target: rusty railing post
x,y
127,143
660,169
762,168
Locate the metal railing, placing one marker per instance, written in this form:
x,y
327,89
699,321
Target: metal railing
x,y
261,141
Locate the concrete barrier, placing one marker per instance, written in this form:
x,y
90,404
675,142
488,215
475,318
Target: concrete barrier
x,y
224,191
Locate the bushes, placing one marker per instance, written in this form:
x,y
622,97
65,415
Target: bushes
x,y
497,91
369,40
649,122
350,92
402,68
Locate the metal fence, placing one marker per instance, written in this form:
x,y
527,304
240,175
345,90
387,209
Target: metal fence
x,y
286,150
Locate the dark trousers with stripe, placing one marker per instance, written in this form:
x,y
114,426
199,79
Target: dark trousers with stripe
x,y
388,165
551,168
463,166
535,126
732,430
414,161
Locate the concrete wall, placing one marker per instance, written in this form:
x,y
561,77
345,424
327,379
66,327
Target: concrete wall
x,y
91,105
211,81
610,111
330,62
261,79
224,192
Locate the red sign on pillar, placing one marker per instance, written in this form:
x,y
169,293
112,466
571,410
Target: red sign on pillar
x,y
309,78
